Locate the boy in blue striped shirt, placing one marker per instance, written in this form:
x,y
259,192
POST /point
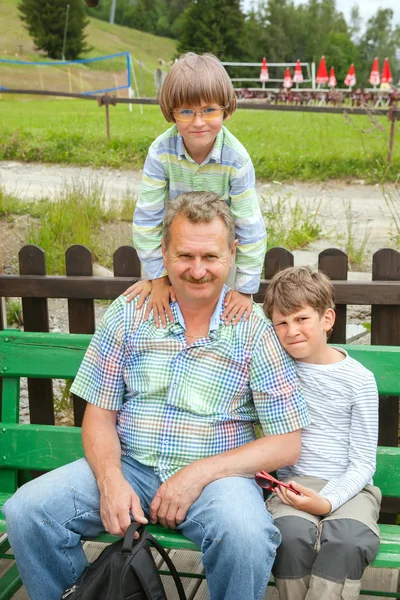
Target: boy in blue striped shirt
x,y
329,531
198,154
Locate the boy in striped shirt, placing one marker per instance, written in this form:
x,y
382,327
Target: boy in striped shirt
x,y
197,154
329,531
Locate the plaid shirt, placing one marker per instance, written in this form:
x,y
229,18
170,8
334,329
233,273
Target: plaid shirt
x,y
228,171
178,403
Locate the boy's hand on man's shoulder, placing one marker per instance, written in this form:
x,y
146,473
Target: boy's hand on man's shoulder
x,y
309,500
237,305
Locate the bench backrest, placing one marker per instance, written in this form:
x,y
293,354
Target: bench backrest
x,y
47,355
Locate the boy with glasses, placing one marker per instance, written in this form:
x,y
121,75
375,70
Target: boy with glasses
x,y
329,531
197,154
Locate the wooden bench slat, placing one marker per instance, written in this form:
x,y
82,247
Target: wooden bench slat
x,y
383,361
44,355
41,447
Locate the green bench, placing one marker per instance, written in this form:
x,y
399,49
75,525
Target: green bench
x,y
29,447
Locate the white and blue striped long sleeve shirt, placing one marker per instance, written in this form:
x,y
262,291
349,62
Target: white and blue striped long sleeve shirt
x,y
340,443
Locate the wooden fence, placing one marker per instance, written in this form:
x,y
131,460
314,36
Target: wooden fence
x,y
80,288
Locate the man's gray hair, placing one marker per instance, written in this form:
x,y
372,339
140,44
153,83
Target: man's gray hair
x,y
199,207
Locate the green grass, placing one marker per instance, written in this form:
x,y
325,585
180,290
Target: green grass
x,y
103,37
283,146
74,216
290,224
13,312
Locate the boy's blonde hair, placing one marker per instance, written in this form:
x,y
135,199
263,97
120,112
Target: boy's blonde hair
x,y
195,79
296,287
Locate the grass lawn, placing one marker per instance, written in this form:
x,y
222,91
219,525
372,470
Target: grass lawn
x,y
282,145
103,38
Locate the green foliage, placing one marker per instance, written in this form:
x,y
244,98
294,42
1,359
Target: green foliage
x,y
154,16
13,312
391,195
356,242
45,21
381,38
290,224
64,404
213,26
75,216
367,325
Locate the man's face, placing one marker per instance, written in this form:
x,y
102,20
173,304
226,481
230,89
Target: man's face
x,y
198,259
303,333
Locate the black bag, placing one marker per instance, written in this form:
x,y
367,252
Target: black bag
x,y
125,570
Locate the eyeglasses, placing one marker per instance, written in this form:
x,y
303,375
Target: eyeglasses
x,y
207,114
269,483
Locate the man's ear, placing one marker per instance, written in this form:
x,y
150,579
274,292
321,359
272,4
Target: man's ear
x,y
329,319
233,249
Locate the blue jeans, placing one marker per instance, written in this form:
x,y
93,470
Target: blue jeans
x,y
229,522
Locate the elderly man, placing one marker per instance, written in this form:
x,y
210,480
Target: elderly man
x,y
168,431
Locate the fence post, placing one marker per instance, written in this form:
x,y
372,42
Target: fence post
x,y
277,259
385,330
334,263
78,261
36,318
126,262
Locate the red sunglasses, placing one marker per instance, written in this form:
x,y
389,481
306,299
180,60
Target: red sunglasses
x,y
269,483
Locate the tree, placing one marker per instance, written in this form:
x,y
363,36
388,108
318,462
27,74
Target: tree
x,y
213,26
380,39
45,22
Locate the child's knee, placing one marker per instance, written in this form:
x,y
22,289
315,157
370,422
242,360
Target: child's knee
x,y
296,554
347,548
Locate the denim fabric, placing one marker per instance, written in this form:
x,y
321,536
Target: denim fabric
x,y
229,522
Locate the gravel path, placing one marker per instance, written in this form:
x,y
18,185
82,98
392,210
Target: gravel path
x,y
368,206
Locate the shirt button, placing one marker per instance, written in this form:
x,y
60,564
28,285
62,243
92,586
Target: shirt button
x,y
175,386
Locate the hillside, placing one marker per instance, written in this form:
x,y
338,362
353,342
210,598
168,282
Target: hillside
x,y
15,43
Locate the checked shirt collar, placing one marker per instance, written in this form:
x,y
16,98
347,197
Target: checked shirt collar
x,y
179,326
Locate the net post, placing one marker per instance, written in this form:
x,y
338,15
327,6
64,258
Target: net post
x,y
132,71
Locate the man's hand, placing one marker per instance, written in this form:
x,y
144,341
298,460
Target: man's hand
x,y
236,305
175,496
118,502
309,501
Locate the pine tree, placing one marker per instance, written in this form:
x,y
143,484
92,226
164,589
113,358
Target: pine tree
x,y
213,26
45,22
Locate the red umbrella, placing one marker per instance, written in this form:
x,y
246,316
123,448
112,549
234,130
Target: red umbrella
x,y
374,78
322,74
386,72
298,74
350,79
332,78
264,76
287,80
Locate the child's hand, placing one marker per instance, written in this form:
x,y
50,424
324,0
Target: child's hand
x,y
161,295
236,305
309,501
141,289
